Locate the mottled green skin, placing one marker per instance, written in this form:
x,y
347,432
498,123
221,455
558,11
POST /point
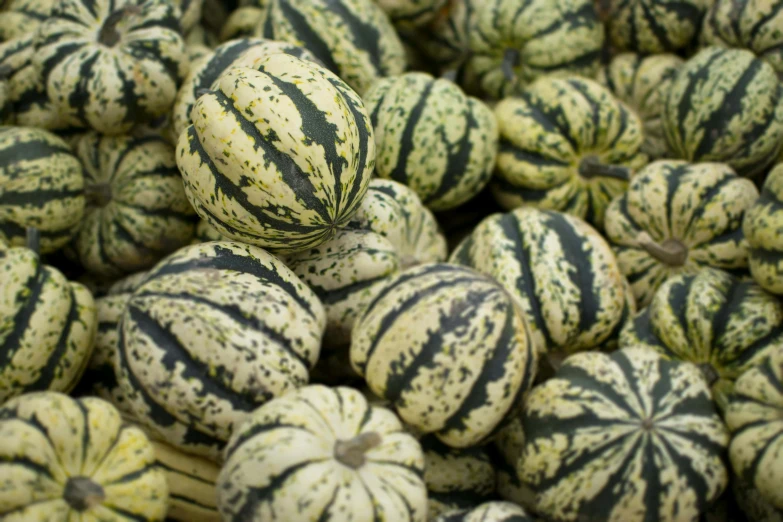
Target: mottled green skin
x,y
654,26
21,17
761,225
509,444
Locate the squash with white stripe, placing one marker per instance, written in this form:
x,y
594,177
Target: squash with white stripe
x,y
23,17
654,26
495,511
322,453
448,348
761,226
445,40
228,327
300,158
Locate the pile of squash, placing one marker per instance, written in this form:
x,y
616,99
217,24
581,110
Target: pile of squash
x,y
391,260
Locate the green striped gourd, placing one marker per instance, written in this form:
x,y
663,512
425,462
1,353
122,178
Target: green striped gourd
x,y
23,17
642,83
42,186
301,155
206,232
506,450
702,120
761,229
566,144
513,43
412,13
432,138
75,459
755,418
562,274
190,13
676,218
245,52
448,348
654,26
495,511
47,325
122,74
228,327
241,23
137,211
749,24
631,425
714,320
322,453
354,39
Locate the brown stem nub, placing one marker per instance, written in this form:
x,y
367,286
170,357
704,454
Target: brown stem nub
x,y
81,493
100,193
709,372
672,252
33,239
511,59
351,452
591,167
109,36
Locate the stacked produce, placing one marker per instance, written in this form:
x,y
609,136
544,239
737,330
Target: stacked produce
x,y
391,260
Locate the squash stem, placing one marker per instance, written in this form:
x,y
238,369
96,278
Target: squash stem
x,y
672,252
351,452
511,59
33,239
709,373
591,167
109,36
100,193
81,493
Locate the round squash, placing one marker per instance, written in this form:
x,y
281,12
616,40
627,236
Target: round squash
x,y
74,460
566,144
412,13
725,105
755,418
448,348
123,73
640,430
432,138
761,229
301,154
228,327
654,26
495,511
445,40
677,218
322,453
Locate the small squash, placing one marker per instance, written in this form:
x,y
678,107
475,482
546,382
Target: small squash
x,y
654,26
495,511
761,226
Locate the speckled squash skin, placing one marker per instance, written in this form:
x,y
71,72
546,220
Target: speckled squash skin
x,y
302,154
228,327
676,218
495,511
703,118
322,453
23,17
74,460
444,41
354,39
654,26
761,226
755,418
42,186
110,80
642,83
448,348
561,141
593,423
714,320
412,13
508,446
432,138
137,211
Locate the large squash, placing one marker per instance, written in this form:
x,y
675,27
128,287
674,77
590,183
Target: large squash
x,y
761,226
654,26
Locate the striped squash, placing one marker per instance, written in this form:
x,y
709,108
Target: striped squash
x,y
506,450
676,218
241,23
654,26
200,36
42,185
642,431
206,232
560,271
702,120
642,83
754,506
445,40
75,460
566,144
411,13
301,154
127,284
137,211
723,325
125,73
23,17
190,13
448,348
432,138
495,511
755,418
322,453
354,39
765,244
228,327
513,43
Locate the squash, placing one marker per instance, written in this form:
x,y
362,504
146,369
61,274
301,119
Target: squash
x,y
127,284
228,327
411,13
122,74
445,40
712,319
354,39
432,138
241,23
23,17
206,232
6,109
703,121
755,418
298,165
322,453
200,36
765,246
566,144
190,13
642,83
642,431
754,507
137,211
448,348
41,185
74,460
677,218
654,26
495,511
505,451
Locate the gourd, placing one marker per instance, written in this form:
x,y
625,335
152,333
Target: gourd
x,y
23,17
411,13
445,40
654,26
506,450
765,248
241,23
206,232
190,13
495,511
